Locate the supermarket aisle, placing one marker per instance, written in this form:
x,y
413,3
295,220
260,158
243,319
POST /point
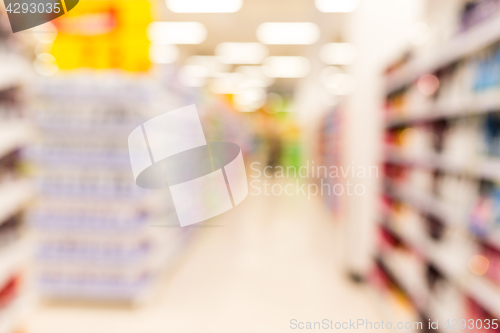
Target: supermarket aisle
x,y
279,260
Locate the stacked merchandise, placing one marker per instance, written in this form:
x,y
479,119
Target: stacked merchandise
x,y
439,237
15,190
100,237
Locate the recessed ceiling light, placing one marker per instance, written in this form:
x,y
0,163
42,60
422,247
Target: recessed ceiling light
x,y
226,83
241,53
176,32
288,33
204,6
337,6
163,53
286,67
254,75
211,63
338,53
250,98
193,76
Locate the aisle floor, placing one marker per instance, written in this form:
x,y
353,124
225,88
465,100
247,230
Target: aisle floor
x,y
270,260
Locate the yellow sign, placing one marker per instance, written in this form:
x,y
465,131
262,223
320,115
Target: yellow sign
x,y
104,34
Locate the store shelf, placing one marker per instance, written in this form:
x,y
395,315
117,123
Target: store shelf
x,y
484,167
459,47
429,160
480,104
450,255
14,315
14,71
14,196
402,279
485,293
14,134
424,203
11,258
429,204
479,288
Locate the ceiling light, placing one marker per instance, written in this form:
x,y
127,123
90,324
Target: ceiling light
x,y
288,33
43,48
226,83
241,53
46,57
252,97
338,53
45,68
163,53
286,67
211,63
337,6
326,74
255,75
45,33
176,32
193,76
329,99
204,6
341,84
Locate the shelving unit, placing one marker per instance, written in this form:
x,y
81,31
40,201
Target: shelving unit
x,y
99,236
16,190
11,317
469,42
439,238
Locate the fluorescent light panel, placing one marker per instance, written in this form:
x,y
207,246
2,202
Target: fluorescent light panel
x,y
254,76
176,32
163,53
226,83
253,98
193,75
337,6
204,6
211,63
241,53
338,53
288,33
286,67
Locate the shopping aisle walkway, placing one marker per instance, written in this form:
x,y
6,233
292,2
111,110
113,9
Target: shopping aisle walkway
x,y
270,260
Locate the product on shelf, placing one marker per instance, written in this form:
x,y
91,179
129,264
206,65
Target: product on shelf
x,y
96,234
15,189
440,196
9,291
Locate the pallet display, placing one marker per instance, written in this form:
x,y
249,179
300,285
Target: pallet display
x,y
16,191
439,232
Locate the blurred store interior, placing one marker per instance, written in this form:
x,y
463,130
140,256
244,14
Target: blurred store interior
x,y
370,134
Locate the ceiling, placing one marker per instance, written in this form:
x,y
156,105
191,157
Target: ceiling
x,y
241,26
